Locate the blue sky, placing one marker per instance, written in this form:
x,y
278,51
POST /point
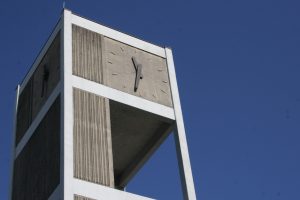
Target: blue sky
x,y
238,67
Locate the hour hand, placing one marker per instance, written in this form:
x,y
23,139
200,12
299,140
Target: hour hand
x,y
135,64
138,73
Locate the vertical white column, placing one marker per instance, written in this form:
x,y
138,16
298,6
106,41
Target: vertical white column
x,y
187,182
67,108
13,144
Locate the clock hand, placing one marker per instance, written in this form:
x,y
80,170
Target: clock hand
x,y
135,64
138,75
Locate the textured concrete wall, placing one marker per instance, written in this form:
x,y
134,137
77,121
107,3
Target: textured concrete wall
x,y
38,89
87,54
77,197
92,139
121,74
36,169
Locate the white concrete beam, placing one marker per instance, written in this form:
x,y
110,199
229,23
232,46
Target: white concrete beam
x,y
187,181
67,108
119,36
96,191
123,97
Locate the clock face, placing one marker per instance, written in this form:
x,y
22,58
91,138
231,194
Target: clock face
x,y
136,72
120,66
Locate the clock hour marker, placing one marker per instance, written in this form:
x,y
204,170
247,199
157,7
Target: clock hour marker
x,y
163,91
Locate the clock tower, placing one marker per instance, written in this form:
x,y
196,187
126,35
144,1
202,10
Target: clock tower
x,y
94,107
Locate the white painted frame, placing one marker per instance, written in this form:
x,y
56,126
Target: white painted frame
x,y
72,186
67,169
69,185
175,114
96,191
185,170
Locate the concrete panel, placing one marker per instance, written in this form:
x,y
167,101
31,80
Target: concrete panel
x,y
46,76
78,197
36,169
120,72
92,139
87,54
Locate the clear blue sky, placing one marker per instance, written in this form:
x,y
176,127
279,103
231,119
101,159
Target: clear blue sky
x,y
238,68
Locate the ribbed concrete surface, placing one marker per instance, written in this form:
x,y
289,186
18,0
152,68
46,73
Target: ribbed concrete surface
x,y
77,197
92,139
87,54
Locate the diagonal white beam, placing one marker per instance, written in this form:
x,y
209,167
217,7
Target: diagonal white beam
x,y
187,181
